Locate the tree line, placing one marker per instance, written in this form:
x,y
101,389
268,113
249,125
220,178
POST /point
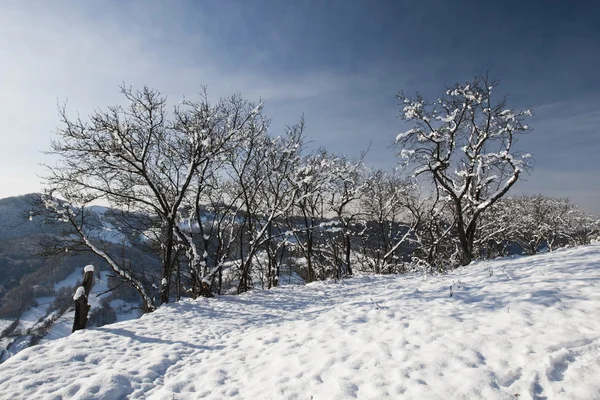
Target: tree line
x,y
225,205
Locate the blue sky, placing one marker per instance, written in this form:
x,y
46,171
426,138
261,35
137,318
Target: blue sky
x,y
338,62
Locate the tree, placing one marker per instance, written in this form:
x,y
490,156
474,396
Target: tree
x,y
144,162
261,169
583,227
464,142
346,185
530,221
386,202
496,229
313,180
432,228
219,130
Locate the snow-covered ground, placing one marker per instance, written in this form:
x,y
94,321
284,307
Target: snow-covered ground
x,y
108,232
518,328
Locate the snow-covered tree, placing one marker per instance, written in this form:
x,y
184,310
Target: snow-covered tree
x,y
278,194
385,205
464,142
344,193
305,221
533,222
222,129
260,169
145,162
495,230
583,227
435,246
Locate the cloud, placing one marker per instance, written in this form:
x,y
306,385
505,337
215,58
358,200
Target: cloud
x,y
54,52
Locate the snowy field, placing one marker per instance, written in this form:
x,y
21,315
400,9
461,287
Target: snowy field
x,y
519,328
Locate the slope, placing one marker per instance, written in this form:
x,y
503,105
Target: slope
x,y
521,326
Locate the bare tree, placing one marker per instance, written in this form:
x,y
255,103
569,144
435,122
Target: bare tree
x,y
346,186
385,203
139,159
305,219
279,192
583,227
218,129
496,229
464,142
260,169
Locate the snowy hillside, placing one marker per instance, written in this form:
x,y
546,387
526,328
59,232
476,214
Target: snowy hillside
x,y
48,321
521,328
36,291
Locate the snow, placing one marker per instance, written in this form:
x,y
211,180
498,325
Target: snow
x,y
101,210
526,326
30,317
79,293
125,311
73,280
406,134
61,328
107,231
4,323
88,268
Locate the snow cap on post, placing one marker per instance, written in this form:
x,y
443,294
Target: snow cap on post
x,y
88,268
79,293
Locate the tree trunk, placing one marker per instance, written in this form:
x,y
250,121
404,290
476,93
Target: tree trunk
x,y
466,253
164,288
348,248
167,266
309,261
465,250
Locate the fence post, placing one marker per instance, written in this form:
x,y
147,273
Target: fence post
x,y
82,308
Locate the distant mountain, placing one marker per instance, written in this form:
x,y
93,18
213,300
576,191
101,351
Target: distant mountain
x,y
15,217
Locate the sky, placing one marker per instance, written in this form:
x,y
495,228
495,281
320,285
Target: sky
x,y
338,63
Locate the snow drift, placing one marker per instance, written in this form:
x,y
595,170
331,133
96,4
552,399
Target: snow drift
x,y
512,328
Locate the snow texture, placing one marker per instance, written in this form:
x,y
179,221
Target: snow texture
x,y
73,280
526,326
88,268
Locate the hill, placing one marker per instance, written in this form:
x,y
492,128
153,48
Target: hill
x,y
524,327
36,291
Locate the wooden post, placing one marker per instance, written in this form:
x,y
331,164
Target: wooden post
x,y
82,308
